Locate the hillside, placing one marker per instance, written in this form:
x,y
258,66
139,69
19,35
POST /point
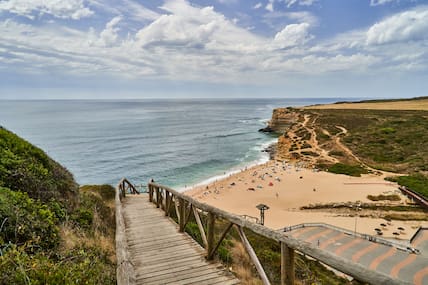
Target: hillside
x,y
356,140
51,232
420,104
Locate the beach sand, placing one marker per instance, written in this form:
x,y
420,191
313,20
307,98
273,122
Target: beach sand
x,y
285,188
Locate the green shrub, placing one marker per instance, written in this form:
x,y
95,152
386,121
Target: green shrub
x,y
80,266
381,197
193,230
351,170
224,254
388,130
83,217
24,167
26,221
416,182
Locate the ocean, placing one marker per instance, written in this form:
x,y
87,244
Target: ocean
x,y
178,143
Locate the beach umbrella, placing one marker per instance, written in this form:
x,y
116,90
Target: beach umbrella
x,y
270,184
400,228
383,225
377,229
396,233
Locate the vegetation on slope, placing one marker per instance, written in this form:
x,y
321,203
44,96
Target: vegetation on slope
x,y
50,232
389,140
384,139
416,182
24,167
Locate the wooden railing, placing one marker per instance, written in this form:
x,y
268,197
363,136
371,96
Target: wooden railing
x,y
164,198
415,196
125,271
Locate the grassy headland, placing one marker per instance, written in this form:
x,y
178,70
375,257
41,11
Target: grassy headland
x,y
51,232
357,138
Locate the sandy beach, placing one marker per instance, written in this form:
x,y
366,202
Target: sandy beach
x,y
287,187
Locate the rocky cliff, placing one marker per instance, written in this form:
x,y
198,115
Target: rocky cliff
x,y
282,119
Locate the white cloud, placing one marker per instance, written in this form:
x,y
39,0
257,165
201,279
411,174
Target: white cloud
x,y
302,17
380,2
290,3
406,26
269,6
188,42
293,35
200,28
66,9
109,35
258,5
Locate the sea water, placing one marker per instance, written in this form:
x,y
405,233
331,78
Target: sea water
x,y
176,142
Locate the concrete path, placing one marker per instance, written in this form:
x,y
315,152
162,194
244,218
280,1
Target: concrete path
x,y
402,265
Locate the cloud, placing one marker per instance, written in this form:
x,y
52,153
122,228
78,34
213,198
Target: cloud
x,y
290,3
199,28
269,6
65,9
258,5
109,35
380,2
407,26
189,42
293,35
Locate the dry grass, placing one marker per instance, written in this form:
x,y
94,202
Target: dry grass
x,y
73,237
421,105
242,265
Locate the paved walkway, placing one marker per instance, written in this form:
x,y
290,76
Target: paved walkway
x,y
162,255
397,263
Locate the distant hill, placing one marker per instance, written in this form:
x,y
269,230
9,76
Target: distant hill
x,y
418,103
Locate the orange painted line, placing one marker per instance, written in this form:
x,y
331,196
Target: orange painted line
x,y
396,269
375,263
366,250
419,276
350,244
314,237
331,240
302,231
420,239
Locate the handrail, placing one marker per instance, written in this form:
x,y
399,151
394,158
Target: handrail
x,y
163,196
125,271
414,195
417,233
402,246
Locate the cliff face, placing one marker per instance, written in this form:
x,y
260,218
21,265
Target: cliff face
x,y
282,119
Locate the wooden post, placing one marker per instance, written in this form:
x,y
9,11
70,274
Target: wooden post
x,y
177,212
253,256
157,197
182,214
150,187
287,265
210,234
161,198
200,226
223,235
167,202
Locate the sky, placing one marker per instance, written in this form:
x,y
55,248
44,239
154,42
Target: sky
x,y
114,49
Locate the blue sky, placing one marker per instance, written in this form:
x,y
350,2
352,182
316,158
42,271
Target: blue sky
x,y
62,49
